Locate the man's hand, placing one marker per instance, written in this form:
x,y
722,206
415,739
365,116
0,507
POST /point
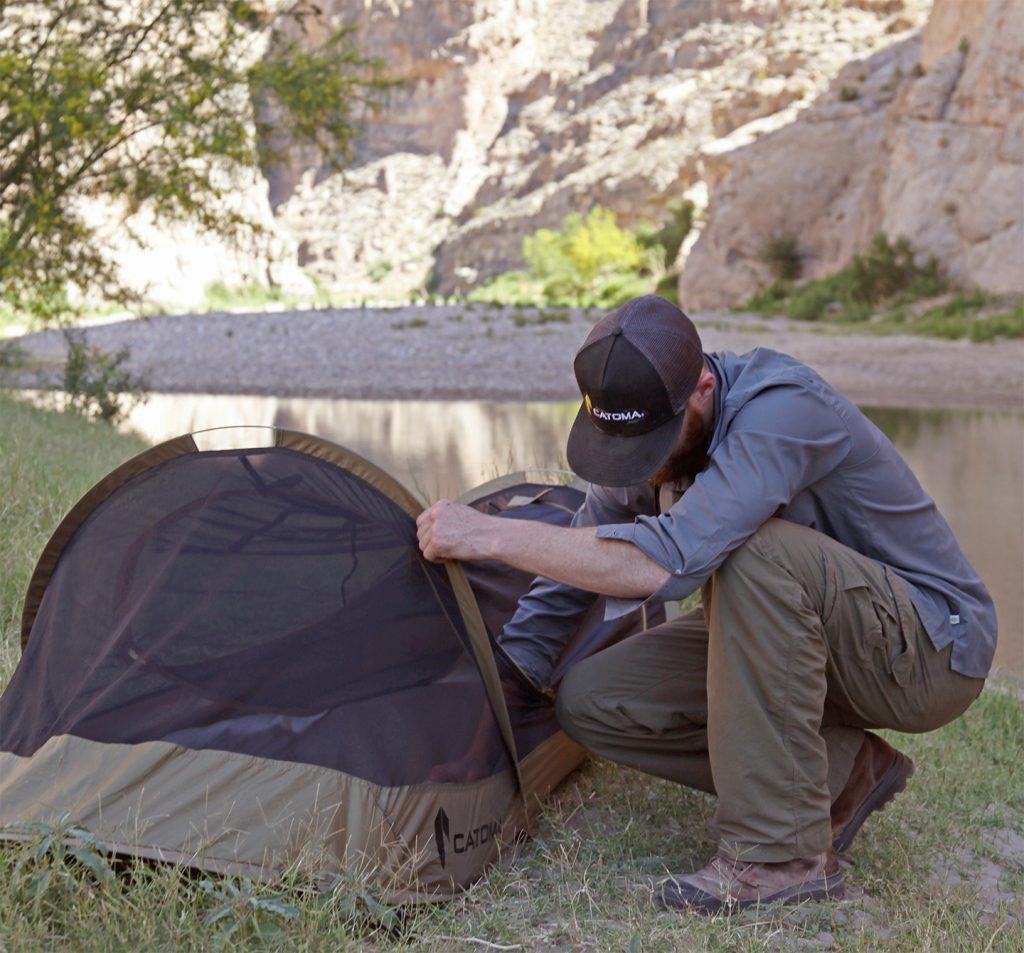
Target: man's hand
x,y
450,530
577,557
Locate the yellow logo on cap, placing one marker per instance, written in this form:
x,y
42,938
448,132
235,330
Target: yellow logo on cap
x,y
590,406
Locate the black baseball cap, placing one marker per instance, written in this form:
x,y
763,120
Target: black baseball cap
x,y
636,371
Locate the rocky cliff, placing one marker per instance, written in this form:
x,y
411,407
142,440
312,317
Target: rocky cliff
x,y
517,112
924,139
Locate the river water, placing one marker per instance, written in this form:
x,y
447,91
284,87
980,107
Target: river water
x,y
971,462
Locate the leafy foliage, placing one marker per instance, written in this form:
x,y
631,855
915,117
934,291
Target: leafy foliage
x,y
97,382
887,287
164,106
577,259
974,316
670,235
887,275
781,253
347,898
590,262
239,906
52,866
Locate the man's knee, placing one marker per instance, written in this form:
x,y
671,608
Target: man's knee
x,y
751,554
574,703
773,543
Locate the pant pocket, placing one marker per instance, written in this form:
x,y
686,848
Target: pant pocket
x,y
901,649
867,627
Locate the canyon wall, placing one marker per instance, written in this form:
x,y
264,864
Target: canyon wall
x,y
517,112
924,139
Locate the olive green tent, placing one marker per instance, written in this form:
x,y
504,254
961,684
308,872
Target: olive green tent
x,y
235,658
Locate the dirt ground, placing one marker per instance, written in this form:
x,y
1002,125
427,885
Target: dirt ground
x,y
505,354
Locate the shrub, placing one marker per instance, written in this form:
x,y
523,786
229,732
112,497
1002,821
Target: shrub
x,y
772,300
963,317
573,260
781,253
668,288
97,383
670,236
887,275
591,262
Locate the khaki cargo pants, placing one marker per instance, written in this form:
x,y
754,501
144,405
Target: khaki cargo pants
x,y
762,695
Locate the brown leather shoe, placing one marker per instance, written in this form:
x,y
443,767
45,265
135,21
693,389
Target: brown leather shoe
x,y
879,773
728,886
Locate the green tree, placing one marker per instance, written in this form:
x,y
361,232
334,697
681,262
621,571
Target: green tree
x,y
593,262
159,104
571,260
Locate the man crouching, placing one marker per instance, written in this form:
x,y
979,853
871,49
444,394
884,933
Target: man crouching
x,y
835,598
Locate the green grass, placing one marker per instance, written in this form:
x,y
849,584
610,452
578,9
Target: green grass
x,y
258,297
47,461
584,883
974,316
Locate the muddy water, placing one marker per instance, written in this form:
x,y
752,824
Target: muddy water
x,y
971,462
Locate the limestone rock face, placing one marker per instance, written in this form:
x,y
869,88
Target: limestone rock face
x,y
517,112
924,139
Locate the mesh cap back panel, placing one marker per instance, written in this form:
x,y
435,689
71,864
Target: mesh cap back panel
x,y
262,602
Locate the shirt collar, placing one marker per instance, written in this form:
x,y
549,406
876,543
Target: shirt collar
x,y
717,366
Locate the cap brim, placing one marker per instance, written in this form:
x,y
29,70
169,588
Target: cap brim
x,y
609,460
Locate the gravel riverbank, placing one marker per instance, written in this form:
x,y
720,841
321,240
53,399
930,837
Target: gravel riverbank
x,y
504,354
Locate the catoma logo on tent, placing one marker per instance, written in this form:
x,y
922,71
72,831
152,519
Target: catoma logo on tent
x,y
461,841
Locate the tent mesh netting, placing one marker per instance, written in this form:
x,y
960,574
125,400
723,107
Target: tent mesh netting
x,y
257,601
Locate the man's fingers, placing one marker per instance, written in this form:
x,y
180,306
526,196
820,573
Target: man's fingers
x,y
426,526
424,535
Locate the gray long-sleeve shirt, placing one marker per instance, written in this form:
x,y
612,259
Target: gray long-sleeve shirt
x,y
785,444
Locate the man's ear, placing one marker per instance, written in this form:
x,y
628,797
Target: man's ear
x,y
705,387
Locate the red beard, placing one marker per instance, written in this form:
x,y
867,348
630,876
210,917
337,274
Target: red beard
x,y
691,453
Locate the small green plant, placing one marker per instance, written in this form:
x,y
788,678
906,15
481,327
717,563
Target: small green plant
x,y
848,94
55,857
12,356
380,271
97,383
964,46
347,898
781,253
411,323
521,320
240,907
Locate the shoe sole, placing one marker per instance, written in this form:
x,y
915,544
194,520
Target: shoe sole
x,y
830,887
893,782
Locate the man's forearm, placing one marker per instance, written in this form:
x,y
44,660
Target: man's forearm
x,y
576,557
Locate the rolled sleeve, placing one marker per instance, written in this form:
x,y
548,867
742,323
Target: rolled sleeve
x,y
775,449
661,551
